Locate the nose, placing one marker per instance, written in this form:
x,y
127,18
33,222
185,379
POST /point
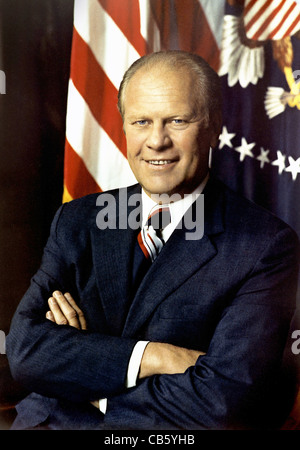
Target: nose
x,y
158,138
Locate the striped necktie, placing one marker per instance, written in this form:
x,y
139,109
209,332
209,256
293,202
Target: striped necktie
x,y
148,244
150,237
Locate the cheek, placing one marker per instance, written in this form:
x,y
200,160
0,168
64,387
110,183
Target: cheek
x,y
195,153
191,138
189,146
133,144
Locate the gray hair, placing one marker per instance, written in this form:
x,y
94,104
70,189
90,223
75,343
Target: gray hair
x,y
207,85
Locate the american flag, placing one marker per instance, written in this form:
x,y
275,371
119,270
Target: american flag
x,y
108,36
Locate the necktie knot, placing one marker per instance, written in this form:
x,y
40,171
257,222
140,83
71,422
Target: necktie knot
x,y
150,239
159,217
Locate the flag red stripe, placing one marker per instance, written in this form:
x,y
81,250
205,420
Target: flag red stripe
x,y
195,34
126,14
249,6
291,8
260,13
268,21
293,25
78,179
97,90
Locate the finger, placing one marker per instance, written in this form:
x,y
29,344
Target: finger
x,y
80,314
50,316
57,314
95,403
68,312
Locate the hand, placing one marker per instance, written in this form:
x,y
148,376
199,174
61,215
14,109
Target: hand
x,y
95,403
64,311
162,358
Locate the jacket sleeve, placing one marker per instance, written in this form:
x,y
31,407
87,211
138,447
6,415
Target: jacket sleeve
x,y
61,361
236,384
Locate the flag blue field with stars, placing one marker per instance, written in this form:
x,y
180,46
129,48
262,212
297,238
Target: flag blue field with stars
x,y
258,153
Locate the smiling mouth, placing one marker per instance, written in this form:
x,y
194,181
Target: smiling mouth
x,y
160,162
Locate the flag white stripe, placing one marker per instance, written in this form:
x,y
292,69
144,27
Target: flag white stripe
x,y
94,146
94,26
287,23
261,19
148,26
257,6
274,22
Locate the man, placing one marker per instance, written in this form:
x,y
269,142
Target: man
x,y
196,341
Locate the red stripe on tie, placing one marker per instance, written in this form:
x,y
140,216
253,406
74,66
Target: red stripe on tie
x,y
157,211
142,245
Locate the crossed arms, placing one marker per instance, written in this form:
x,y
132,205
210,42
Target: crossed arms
x,y
158,358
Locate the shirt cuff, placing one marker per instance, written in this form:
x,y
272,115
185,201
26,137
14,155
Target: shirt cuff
x,y
103,405
132,371
135,363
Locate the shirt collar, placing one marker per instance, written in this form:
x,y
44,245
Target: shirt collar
x,y
177,208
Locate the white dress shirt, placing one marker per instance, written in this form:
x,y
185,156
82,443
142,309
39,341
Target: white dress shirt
x,y
177,210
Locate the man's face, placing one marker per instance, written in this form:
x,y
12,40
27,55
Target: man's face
x,y
167,138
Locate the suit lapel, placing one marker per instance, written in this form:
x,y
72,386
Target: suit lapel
x,y
112,258
168,272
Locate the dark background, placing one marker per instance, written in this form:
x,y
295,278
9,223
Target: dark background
x,y
35,46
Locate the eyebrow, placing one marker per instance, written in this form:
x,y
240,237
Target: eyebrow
x,y
185,116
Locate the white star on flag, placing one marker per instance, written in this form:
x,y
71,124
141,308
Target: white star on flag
x,y
294,167
263,157
225,138
245,149
280,162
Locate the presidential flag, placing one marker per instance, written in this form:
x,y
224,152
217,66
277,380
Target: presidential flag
x,y
259,148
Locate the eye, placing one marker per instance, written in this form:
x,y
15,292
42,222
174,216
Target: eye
x,y
141,123
178,123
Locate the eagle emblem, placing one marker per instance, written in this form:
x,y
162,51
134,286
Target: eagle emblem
x,y
243,48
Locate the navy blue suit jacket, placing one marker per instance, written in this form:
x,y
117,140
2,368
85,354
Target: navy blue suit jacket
x,y
230,294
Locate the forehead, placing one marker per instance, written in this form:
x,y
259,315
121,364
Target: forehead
x,y
158,86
